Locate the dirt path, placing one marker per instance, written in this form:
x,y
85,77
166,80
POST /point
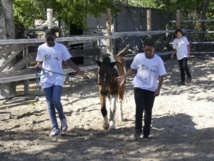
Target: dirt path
x,y
182,128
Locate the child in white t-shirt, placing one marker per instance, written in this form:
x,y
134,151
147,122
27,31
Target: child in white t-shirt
x,y
147,84
182,50
50,56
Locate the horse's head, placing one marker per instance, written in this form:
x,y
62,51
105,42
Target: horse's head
x,y
106,75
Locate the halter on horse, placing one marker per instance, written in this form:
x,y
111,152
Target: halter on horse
x,y
109,69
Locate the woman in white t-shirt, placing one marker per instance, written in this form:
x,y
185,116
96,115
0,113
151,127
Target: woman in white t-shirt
x,y
147,84
50,56
182,50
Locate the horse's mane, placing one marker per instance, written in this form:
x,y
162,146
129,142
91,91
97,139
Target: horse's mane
x,y
119,59
106,59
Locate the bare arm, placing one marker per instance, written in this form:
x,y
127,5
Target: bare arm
x,y
173,53
75,67
128,73
160,82
188,46
38,65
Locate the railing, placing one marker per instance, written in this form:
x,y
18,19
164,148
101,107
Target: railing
x,y
9,45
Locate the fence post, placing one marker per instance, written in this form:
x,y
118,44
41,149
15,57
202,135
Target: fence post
x,y
26,82
108,30
178,19
50,17
62,28
149,21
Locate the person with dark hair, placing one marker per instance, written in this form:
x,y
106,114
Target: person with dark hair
x,y
50,56
182,50
147,84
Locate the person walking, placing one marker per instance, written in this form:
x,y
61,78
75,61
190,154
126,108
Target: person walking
x,y
50,56
147,84
182,50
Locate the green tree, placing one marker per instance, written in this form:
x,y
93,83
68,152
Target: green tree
x,y
146,4
70,11
202,8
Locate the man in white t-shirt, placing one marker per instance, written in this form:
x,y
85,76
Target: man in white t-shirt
x,y
50,56
182,50
147,84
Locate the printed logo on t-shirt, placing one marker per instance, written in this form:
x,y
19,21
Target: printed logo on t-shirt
x,y
146,73
47,57
56,57
180,43
144,67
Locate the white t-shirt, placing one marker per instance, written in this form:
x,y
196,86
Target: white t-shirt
x,y
148,71
52,58
180,45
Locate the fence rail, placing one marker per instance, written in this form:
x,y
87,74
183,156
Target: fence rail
x,y
208,20
85,38
10,45
30,74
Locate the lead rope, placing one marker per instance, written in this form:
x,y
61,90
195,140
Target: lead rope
x,y
38,89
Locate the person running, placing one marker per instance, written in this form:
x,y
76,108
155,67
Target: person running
x,y
49,57
147,84
182,50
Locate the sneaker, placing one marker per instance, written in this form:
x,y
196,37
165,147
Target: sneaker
x,y
137,134
64,125
181,83
189,79
145,137
54,132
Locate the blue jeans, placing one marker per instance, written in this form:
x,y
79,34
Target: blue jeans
x,y
53,97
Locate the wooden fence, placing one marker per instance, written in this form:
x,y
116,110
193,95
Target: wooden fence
x,y
12,47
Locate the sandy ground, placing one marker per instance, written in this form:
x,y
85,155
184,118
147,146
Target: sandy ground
x,y
182,127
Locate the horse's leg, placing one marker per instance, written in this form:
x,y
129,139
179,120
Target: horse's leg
x,y
108,108
112,113
120,96
104,112
120,111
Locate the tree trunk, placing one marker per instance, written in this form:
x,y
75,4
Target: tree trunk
x,y
9,89
7,12
203,13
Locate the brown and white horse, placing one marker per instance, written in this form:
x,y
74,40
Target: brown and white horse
x,y
109,69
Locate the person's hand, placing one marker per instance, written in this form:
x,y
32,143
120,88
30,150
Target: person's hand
x,y
157,92
188,56
120,78
38,67
172,55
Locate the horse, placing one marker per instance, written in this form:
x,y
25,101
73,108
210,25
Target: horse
x,y
110,88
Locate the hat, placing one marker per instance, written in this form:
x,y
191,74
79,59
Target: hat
x,y
50,32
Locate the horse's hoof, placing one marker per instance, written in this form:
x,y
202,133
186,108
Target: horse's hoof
x,y
112,125
105,126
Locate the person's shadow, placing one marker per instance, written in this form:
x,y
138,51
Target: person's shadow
x,y
178,137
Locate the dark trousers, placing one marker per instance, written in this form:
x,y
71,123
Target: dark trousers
x,y
144,101
184,68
